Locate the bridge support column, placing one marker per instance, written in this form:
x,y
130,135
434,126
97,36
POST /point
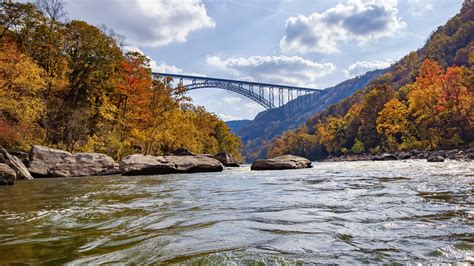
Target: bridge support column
x,y
271,95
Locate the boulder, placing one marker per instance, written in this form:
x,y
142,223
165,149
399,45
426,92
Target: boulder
x,y
138,164
16,164
385,157
404,155
456,155
281,163
47,162
7,175
438,153
435,159
418,154
226,159
470,155
23,156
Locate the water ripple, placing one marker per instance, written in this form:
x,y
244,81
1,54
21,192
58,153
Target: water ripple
x,y
341,212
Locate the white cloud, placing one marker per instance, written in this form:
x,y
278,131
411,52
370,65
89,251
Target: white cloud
x,y
362,67
226,117
421,7
231,100
161,67
359,20
145,22
288,70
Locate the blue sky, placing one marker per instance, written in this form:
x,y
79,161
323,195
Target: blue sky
x,y
315,43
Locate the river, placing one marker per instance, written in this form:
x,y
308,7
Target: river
x,y
336,212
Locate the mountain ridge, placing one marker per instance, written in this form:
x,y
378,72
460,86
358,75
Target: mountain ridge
x,y
257,133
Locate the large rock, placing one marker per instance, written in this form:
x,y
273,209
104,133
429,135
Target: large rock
x,y
16,164
23,156
47,162
138,164
435,159
7,175
281,163
385,157
404,155
226,159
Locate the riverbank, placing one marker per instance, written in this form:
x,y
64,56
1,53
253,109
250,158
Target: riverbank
x,y
438,155
47,162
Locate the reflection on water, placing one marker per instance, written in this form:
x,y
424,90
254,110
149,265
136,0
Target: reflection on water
x,y
339,212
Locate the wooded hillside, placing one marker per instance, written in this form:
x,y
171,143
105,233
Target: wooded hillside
x,y
71,86
425,101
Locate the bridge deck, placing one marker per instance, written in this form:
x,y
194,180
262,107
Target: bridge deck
x,y
257,84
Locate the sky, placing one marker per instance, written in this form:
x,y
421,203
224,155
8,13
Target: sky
x,y
310,43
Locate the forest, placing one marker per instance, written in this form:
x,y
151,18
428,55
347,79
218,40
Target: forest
x,y
425,101
70,85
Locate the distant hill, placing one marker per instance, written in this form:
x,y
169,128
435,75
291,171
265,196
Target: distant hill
x,y
255,134
236,125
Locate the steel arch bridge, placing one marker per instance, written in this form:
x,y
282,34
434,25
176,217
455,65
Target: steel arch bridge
x,y
262,93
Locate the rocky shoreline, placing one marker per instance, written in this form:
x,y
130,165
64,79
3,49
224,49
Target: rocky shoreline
x,y
47,162
430,156
43,162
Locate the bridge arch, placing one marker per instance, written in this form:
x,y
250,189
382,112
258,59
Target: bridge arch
x,y
262,93
234,88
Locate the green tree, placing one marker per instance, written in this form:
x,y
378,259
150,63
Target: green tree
x,y
358,147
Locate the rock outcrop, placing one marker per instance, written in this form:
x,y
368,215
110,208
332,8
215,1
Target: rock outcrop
x,y
435,159
226,159
385,157
16,164
138,164
47,162
7,175
281,163
456,154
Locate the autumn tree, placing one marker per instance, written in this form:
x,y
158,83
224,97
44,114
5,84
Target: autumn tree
x,y
18,20
92,58
372,105
332,134
21,105
393,124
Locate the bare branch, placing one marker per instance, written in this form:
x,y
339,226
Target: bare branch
x,y
54,9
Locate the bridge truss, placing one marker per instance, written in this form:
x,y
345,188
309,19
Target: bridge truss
x,y
262,93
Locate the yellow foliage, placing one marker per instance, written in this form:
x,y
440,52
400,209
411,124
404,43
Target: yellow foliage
x,y
21,85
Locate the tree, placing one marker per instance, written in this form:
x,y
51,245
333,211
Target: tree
x,y
455,107
18,18
332,134
92,58
373,103
134,92
393,124
358,147
21,105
